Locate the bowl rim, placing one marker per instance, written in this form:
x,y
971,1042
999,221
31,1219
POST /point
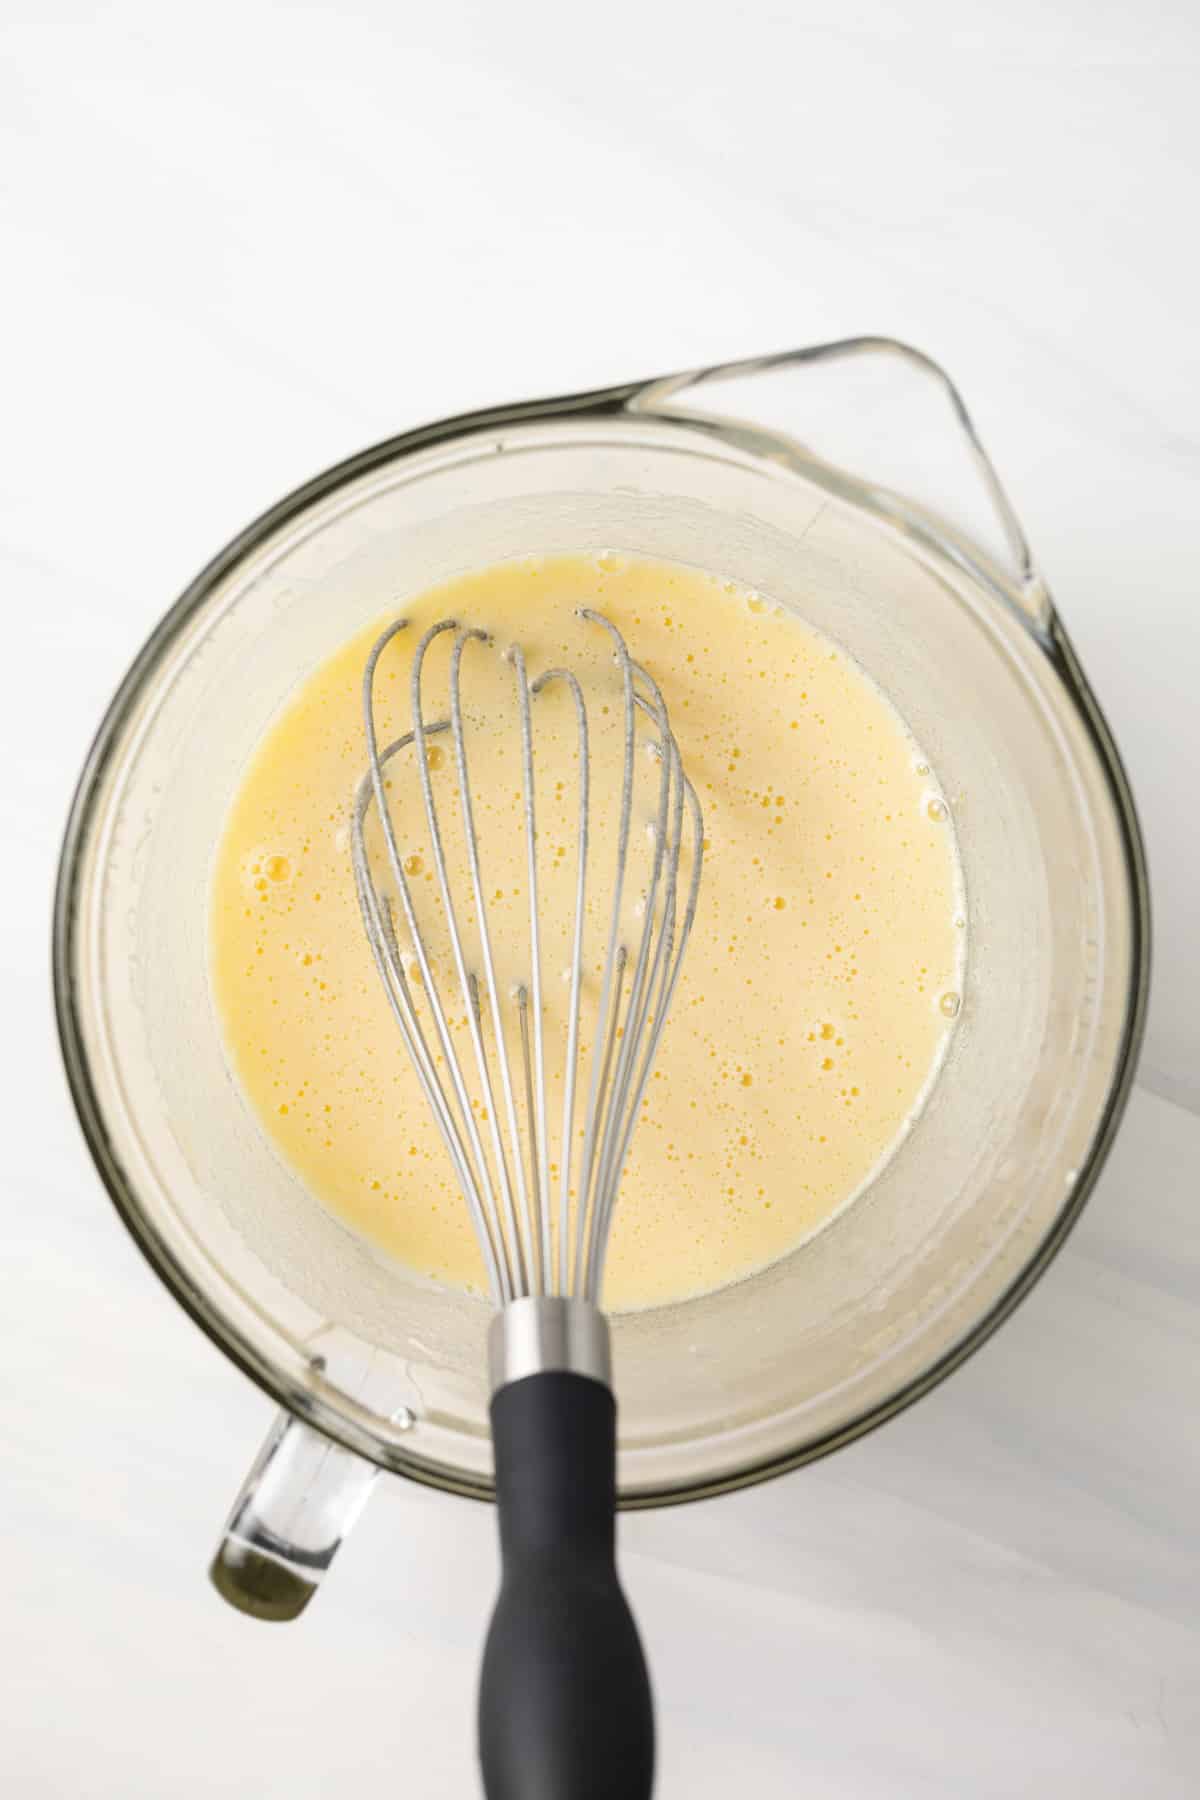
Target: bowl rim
x,y
311,1406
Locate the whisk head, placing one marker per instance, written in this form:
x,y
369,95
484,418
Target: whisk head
x,y
539,1170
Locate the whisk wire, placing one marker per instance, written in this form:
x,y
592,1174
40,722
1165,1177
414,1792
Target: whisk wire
x,y
518,1214
380,929
670,977
511,1284
530,1244
600,1054
567,1152
539,1172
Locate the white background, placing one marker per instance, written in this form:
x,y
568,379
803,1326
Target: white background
x,y
239,242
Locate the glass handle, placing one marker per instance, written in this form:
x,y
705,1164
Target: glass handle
x,y
882,424
300,1499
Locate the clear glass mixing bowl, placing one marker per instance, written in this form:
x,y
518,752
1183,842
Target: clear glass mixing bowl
x,y
886,528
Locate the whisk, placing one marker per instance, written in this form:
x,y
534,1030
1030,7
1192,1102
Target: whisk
x,y
564,1707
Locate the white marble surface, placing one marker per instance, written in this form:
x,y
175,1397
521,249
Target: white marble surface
x,y
238,243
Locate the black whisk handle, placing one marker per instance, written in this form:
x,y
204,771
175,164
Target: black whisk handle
x,y
564,1702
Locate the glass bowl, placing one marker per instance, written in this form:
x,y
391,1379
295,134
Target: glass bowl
x,y
847,483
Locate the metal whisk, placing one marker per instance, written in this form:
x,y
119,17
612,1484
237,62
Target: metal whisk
x,y
564,1699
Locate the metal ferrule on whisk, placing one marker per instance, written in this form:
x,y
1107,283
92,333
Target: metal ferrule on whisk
x,y
547,1332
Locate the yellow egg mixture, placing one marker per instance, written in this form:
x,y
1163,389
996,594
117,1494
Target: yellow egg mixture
x,y
820,983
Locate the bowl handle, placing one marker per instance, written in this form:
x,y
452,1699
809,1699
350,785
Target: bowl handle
x,y
301,1497
880,424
